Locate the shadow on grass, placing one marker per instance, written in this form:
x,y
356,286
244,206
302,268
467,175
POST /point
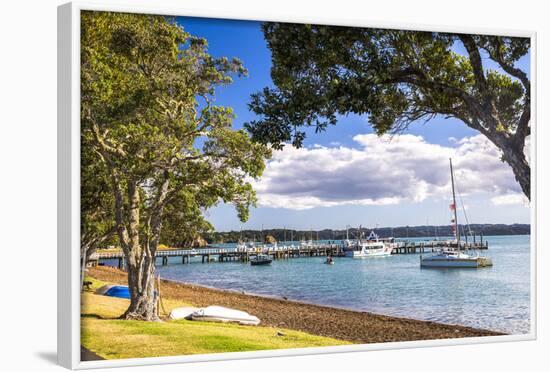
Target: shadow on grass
x,y
97,316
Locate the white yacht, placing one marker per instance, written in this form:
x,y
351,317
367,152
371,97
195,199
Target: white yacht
x,y
372,247
453,257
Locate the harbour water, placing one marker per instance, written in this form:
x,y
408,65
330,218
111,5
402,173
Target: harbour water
x,y
495,298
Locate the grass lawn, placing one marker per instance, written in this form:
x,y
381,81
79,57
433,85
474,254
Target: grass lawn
x,y
112,338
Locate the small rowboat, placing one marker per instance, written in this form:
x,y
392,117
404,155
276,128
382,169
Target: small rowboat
x,y
120,291
224,315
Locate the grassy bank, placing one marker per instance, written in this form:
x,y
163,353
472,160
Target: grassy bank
x,y
112,338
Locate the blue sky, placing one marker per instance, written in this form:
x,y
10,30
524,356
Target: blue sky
x,y
351,141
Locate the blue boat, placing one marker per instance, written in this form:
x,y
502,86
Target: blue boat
x,y
120,291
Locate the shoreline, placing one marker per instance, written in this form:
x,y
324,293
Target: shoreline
x,y
344,324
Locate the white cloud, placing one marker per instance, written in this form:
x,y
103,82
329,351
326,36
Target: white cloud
x,y
382,170
510,199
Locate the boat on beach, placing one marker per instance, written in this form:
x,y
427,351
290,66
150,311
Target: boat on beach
x,y
222,314
452,257
120,291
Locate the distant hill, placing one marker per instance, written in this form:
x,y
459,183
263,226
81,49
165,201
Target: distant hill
x,y
427,231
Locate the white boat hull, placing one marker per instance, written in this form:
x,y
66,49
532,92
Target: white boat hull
x,y
364,253
224,315
472,262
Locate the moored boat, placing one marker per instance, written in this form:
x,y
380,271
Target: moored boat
x,y
372,247
260,259
453,257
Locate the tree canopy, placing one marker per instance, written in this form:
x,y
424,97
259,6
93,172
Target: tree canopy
x,y
149,118
185,222
396,78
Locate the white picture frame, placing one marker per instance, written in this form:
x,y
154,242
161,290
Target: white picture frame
x,y
69,187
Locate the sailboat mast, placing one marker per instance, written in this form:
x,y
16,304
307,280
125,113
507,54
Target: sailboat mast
x,y
457,233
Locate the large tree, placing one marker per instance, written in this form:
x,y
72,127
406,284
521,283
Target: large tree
x,y
148,115
396,77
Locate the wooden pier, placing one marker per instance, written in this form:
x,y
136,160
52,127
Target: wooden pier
x,y
208,255
428,247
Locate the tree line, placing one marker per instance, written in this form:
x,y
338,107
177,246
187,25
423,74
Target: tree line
x,y
427,231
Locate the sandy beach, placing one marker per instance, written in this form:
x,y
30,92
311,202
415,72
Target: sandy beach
x,y
354,326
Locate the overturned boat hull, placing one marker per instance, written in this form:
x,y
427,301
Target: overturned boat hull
x,y
221,314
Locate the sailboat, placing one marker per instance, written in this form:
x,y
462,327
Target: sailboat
x,y
450,258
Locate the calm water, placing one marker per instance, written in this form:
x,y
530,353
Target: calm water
x,y
495,298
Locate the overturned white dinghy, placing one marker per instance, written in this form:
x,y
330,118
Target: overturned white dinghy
x,y
182,312
224,315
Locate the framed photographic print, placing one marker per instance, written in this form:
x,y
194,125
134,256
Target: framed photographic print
x,y
242,187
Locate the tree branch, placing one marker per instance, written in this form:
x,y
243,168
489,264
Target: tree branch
x,y
157,211
496,55
90,242
477,65
102,143
119,210
476,109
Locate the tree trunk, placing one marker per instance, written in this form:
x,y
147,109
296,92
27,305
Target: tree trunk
x,y
140,263
141,282
141,267
513,154
520,166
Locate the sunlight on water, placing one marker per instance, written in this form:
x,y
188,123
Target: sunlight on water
x,y
495,298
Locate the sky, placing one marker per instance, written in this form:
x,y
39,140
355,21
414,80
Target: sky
x,y
349,176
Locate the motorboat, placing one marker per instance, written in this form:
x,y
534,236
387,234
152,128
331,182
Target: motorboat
x,y
368,249
371,247
260,259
